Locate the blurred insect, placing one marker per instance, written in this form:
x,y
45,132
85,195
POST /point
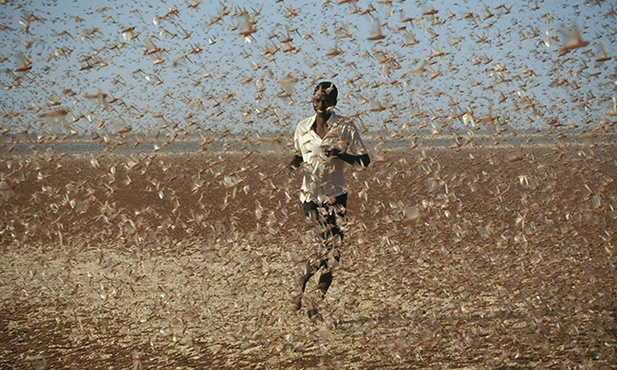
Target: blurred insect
x,y
572,39
288,83
376,32
246,24
137,361
7,190
57,121
129,34
100,97
26,64
603,54
156,52
612,112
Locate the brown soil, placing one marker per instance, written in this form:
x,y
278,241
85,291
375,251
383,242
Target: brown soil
x,y
491,257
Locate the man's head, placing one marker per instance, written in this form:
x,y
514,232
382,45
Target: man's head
x,y
325,96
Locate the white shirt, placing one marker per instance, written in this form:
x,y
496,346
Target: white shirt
x,y
324,177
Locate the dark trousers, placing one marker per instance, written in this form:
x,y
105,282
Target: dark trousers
x,y
325,217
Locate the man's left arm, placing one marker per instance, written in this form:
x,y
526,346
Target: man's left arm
x,y
363,159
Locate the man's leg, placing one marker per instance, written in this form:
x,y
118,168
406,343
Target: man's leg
x,y
311,213
324,283
333,239
325,280
309,271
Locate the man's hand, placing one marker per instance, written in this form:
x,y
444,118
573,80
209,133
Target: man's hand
x,y
333,152
363,160
296,161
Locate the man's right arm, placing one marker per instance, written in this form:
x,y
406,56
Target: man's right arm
x,y
296,161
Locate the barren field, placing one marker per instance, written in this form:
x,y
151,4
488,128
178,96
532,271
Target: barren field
x,y
490,257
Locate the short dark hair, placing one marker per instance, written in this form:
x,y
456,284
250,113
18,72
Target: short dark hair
x,y
329,89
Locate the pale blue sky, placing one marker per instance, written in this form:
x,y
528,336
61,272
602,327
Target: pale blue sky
x,y
479,55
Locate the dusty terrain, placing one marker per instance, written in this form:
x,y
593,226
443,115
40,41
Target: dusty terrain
x,y
491,257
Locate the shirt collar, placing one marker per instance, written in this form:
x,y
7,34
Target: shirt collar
x,y
332,120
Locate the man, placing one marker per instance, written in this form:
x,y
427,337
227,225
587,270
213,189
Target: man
x,y
324,142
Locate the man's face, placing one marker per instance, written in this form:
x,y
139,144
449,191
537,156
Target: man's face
x,y
321,103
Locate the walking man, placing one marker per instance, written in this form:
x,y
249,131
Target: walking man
x,y
323,143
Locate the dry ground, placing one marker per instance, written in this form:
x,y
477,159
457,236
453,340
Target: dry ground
x,y
494,257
